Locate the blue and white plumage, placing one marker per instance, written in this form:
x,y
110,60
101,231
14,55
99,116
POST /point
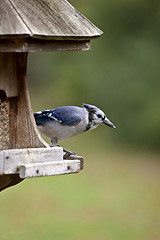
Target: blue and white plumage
x,y
64,122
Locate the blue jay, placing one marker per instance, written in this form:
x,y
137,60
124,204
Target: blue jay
x,y
64,122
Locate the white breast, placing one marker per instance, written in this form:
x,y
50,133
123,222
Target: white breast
x,y
59,131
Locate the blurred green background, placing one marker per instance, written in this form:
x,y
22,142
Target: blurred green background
x,y
117,195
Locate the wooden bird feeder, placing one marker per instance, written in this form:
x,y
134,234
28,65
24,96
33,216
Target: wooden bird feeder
x,y
29,26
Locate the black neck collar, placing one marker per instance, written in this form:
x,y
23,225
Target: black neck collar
x,y
89,121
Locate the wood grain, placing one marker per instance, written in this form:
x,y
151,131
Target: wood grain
x,y
22,121
23,132
10,22
17,127
8,74
13,158
34,45
49,168
44,19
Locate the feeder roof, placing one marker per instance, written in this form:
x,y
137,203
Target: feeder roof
x,y
44,19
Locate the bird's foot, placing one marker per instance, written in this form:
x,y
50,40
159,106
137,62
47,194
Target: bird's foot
x,y
73,156
68,154
51,145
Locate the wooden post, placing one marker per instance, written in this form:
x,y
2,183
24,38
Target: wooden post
x,y
17,125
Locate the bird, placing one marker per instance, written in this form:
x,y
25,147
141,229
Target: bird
x,y
64,122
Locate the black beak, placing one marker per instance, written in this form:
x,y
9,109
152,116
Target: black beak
x,y
107,122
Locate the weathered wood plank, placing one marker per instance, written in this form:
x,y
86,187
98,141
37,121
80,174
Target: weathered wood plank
x,y
74,20
8,74
10,22
34,45
75,157
22,123
12,159
46,19
50,168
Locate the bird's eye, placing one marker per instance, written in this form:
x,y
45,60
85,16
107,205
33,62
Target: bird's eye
x,y
99,115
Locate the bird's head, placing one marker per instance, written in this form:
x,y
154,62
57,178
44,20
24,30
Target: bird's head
x,y
97,116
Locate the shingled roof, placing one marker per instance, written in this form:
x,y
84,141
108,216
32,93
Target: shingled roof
x,y
44,19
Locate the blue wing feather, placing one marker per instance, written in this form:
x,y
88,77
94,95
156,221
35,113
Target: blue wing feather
x,y
65,115
41,117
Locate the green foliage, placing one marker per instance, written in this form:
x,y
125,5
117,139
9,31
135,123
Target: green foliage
x,y
120,74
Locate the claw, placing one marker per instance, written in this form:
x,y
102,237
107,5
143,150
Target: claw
x,y
68,154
